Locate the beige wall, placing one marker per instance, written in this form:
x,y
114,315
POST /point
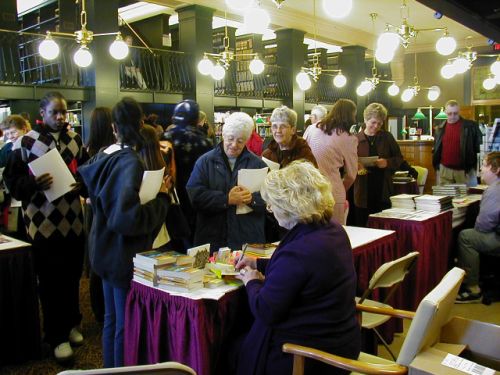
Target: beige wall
x,y
429,67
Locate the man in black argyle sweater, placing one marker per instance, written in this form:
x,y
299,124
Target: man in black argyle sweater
x,y
55,228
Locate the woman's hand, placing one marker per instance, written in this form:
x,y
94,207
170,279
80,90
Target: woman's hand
x,y
247,274
246,262
239,195
381,163
166,185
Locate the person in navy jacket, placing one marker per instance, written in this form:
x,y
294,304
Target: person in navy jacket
x,y
305,293
214,192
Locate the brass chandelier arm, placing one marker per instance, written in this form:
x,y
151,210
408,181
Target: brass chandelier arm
x,y
136,35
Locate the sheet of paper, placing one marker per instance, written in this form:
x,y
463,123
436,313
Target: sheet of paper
x,y
252,179
151,183
271,164
368,161
53,163
464,365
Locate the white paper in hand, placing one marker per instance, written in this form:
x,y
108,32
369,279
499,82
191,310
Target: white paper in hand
x,y
62,179
271,164
251,179
368,161
151,183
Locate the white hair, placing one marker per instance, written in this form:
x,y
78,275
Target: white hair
x,y
319,111
238,124
284,114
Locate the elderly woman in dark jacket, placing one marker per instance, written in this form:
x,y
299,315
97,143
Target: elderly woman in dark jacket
x,y
305,293
214,191
286,146
374,186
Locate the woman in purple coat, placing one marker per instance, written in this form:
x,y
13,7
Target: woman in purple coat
x,y
305,293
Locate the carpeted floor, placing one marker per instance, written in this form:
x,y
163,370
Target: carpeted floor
x,y
87,356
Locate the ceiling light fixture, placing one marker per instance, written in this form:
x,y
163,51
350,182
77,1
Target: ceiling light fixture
x,y
49,49
389,41
411,91
337,8
305,75
256,20
223,60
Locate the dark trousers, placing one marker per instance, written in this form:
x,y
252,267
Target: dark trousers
x,y
58,265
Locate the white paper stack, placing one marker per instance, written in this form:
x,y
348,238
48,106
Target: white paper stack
x,y
403,201
453,190
433,203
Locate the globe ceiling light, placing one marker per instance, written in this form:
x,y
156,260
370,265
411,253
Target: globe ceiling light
x,y
496,78
433,93
446,45
495,68
448,71
118,49
388,41
384,56
337,8
339,80
407,95
239,4
205,66
393,90
82,57
218,72
489,83
304,81
364,88
256,65
461,65
48,48
256,20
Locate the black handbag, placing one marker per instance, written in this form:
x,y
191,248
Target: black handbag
x,y
176,222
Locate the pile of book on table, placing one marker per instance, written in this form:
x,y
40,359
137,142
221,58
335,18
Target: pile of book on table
x,y
433,203
402,177
167,270
260,250
404,201
453,190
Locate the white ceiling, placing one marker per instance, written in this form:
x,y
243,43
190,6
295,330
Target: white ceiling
x,y
355,29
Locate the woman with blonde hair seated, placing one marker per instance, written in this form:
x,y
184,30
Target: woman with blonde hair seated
x,y
305,293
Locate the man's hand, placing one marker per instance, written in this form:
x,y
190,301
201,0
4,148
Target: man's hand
x,y
239,195
381,163
44,181
75,187
166,185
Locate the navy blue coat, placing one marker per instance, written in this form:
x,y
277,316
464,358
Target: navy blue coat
x,y
307,298
208,189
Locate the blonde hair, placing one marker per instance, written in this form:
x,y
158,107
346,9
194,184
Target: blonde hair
x,y
375,110
299,193
451,103
15,121
284,114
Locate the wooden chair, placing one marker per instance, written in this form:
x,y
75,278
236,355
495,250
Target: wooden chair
x,y
432,313
165,368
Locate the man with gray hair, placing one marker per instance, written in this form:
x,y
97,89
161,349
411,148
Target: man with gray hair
x,y
318,113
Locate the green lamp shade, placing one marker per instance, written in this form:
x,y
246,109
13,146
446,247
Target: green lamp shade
x,y
260,120
418,115
441,115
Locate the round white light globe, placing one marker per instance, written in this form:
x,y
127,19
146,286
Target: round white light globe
x,y
118,49
218,72
388,41
48,49
495,68
496,78
407,95
461,65
256,21
448,71
82,57
384,56
205,66
303,81
433,93
239,4
489,84
393,90
337,8
364,88
446,45
256,66
339,80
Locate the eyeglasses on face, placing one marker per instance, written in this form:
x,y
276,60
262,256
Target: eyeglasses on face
x,y
280,126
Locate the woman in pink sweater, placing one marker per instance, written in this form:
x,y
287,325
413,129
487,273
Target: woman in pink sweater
x,y
334,148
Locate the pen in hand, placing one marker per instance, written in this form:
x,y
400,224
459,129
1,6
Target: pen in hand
x,y
244,248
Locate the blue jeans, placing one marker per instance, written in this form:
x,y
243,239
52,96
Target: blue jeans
x,y
114,319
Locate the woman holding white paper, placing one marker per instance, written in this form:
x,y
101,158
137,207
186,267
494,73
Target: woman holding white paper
x,y
122,226
215,193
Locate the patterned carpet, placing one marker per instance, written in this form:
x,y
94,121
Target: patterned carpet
x,y
87,356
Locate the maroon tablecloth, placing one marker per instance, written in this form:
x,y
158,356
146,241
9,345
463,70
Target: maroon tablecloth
x,y
432,238
161,327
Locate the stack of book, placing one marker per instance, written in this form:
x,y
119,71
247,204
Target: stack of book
x,y
433,203
403,201
401,177
180,278
453,190
260,250
147,264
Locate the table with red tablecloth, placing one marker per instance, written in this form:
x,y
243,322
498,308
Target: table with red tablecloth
x,y
431,237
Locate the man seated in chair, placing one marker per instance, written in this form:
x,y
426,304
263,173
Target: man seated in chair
x,y
485,236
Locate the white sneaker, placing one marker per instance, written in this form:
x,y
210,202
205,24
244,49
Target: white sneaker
x,y
75,337
63,352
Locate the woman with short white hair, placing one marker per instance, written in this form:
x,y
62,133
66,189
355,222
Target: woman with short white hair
x,y
305,293
214,192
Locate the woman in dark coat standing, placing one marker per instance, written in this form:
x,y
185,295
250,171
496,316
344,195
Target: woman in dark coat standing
x,y
305,293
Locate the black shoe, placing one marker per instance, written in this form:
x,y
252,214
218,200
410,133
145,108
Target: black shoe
x,y
466,296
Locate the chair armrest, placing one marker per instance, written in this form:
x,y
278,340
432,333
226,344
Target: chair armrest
x,y
403,314
340,362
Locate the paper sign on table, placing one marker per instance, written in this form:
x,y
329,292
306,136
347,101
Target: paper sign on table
x,y
62,179
271,164
151,183
251,179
